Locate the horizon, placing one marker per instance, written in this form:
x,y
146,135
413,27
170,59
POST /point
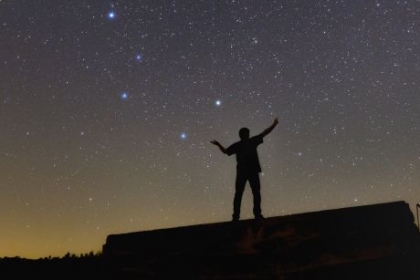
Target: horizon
x,y
99,252
108,109
95,253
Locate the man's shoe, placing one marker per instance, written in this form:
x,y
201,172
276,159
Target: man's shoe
x,y
259,218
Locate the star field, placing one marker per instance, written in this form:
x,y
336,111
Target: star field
x,y
107,110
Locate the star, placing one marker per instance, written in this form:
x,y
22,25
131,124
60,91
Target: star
x,y
124,96
139,57
111,15
183,136
218,102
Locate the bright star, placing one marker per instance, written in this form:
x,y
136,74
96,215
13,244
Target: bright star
x,y
124,96
183,135
139,57
111,15
218,102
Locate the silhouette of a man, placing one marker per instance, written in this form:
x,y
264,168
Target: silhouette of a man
x,y
248,167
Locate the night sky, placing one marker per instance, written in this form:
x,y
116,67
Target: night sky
x,y
107,110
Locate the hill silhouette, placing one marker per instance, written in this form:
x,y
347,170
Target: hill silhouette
x,y
369,242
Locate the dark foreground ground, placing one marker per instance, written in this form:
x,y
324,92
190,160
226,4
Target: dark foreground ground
x,y
370,242
65,268
100,268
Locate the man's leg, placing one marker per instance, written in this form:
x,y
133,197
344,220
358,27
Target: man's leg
x,y
254,181
239,190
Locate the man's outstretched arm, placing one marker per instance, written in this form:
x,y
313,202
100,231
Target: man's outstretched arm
x,y
222,149
270,128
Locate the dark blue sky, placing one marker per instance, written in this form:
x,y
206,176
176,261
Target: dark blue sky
x,y
106,120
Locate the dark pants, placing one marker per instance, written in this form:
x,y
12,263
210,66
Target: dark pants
x,y
254,182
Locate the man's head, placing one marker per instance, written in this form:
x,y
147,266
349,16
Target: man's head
x,y
244,133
